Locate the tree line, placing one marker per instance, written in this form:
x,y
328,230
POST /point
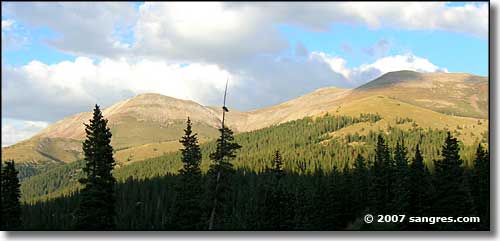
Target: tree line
x,y
276,197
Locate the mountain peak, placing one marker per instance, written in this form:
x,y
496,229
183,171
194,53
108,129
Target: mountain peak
x,y
390,78
326,89
412,78
157,102
152,108
156,97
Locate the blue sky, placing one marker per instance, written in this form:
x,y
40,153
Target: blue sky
x,y
188,50
455,51
37,47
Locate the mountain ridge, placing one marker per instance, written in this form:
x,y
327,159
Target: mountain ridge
x,y
155,118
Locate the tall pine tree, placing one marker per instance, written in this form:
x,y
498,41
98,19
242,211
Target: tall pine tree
x,y
96,210
329,195
188,212
344,195
10,194
220,173
400,200
420,190
361,183
451,197
480,186
382,173
278,210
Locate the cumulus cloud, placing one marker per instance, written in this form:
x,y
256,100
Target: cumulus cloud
x,y
42,92
366,72
470,19
403,62
210,31
38,91
17,130
222,32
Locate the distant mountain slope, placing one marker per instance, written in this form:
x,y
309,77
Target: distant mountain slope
x,y
319,101
149,125
138,112
142,120
41,150
449,93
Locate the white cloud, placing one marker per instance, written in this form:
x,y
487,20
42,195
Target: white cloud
x,y
403,62
209,31
337,64
14,131
471,18
367,72
42,92
224,32
6,24
37,91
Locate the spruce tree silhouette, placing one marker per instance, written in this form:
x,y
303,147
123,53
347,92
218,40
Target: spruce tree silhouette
x,y
382,177
96,210
10,194
401,179
480,186
452,197
420,190
188,212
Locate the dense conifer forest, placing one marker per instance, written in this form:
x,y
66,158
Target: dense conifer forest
x,y
292,176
